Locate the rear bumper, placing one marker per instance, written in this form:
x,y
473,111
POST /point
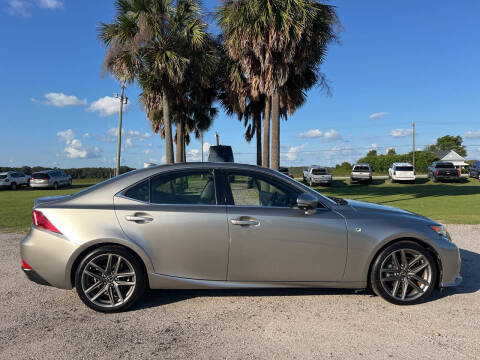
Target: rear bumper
x,y
34,185
443,177
32,275
321,181
357,178
48,255
411,178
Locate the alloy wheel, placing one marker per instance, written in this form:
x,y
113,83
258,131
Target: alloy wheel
x,y
406,274
108,280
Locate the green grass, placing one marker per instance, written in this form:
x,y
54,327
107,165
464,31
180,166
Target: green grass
x,y
450,203
454,203
16,206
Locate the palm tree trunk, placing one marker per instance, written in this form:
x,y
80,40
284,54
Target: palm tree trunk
x,y
180,140
275,130
266,134
184,150
168,130
258,129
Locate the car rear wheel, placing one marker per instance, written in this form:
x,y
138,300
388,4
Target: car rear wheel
x,y
110,279
404,274
55,186
13,186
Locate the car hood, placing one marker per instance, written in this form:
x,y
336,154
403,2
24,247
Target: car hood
x,y
45,199
371,208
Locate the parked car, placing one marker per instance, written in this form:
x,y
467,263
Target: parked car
x,y
474,170
164,227
284,170
317,175
51,179
443,171
401,172
361,173
12,180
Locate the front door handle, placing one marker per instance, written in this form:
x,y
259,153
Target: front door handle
x,y
136,218
245,222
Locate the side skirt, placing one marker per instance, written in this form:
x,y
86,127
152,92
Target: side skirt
x,y
158,281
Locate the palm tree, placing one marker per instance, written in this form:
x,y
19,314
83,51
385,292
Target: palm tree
x,y
162,37
269,36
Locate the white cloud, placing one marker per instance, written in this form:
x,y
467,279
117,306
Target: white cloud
x,y
332,135
378,115
472,134
74,148
66,136
61,100
388,149
401,132
317,133
127,135
293,152
107,106
147,151
18,7
51,4
86,135
311,134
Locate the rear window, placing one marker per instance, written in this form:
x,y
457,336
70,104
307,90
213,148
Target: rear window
x,y
445,166
404,168
319,171
361,169
3,176
40,176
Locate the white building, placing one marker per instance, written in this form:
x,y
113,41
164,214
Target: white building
x,y
451,156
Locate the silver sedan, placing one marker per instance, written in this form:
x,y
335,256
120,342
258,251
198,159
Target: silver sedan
x,y
214,225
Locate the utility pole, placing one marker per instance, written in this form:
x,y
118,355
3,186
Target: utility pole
x,y
123,100
218,138
413,133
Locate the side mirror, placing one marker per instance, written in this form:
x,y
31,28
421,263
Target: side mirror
x,y
308,203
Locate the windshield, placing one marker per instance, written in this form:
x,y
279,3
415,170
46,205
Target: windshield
x,y
40,176
319,171
404,168
361,169
445,166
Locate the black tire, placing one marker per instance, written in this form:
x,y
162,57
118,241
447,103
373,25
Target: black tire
x,y
429,274
55,186
130,263
435,180
310,183
392,181
13,186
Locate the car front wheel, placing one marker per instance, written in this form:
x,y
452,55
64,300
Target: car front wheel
x,y
110,279
405,273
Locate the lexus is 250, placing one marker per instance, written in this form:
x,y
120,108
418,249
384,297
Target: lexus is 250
x,y
227,225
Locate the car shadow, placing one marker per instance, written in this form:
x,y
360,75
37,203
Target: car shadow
x,y
154,298
470,272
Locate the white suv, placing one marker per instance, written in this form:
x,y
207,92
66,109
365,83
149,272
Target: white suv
x,y
13,180
401,172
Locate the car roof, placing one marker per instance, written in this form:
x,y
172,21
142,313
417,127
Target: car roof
x,y
401,164
363,164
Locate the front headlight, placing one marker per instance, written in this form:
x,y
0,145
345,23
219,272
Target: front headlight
x,y
441,230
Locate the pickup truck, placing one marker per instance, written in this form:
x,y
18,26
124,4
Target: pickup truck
x,y
361,173
314,175
443,170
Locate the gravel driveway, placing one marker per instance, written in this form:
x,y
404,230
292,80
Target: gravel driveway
x,y
43,322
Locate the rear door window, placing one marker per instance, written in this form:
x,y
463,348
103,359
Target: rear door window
x,y
139,192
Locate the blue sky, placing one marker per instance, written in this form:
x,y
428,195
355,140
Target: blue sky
x,y
398,62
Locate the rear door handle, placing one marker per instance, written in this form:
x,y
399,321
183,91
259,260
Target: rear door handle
x,y
138,218
245,222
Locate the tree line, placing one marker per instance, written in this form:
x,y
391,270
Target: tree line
x,y
75,173
267,56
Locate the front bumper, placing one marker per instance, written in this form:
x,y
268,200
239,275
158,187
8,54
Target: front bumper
x,y
451,263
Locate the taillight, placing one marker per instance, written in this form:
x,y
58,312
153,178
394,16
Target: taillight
x,y
45,178
436,172
42,222
25,266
